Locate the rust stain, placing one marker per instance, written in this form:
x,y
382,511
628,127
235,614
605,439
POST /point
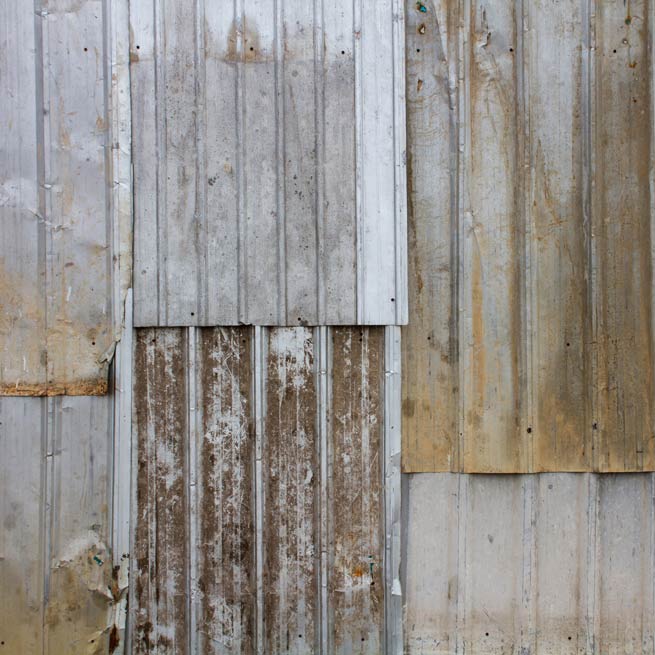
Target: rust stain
x,y
161,538
243,46
98,387
356,584
79,608
227,557
291,478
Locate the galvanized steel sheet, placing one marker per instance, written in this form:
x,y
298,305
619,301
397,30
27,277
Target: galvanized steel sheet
x,y
64,194
269,163
555,563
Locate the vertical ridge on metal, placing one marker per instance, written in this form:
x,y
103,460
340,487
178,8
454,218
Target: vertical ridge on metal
x,y
266,513
269,163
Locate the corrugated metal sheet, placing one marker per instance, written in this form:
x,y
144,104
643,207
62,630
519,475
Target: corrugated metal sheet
x,y
56,589
530,346
64,194
551,563
65,517
267,491
269,163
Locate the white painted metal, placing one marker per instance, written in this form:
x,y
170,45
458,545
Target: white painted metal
x,y
550,563
269,163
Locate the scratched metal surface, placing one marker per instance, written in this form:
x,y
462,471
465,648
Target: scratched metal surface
x,y
260,509
64,194
555,563
269,162
530,344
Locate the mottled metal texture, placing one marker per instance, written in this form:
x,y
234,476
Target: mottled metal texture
x,y
58,591
64,194
269,162
557,563
530,345
260,501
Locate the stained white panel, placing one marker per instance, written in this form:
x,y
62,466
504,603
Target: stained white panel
x,y
269,163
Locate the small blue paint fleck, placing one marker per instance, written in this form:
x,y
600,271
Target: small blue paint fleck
x,y
421,7
98,560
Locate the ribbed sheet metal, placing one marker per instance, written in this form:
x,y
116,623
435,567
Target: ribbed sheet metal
x,y
65,199
547,564
269,162
65,481
530,344
266,507
56,588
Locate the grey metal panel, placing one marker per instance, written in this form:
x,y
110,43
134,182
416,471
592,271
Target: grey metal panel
x,y
549,563
266,513
56,590
64,178
269,163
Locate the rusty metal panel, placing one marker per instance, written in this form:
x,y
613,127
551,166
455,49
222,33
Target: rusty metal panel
x,y
553,563
530,288
64,246
225,498
262,520
57,593
269,163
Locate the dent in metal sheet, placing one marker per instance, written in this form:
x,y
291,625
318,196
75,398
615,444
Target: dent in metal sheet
x,y
62,224
269,207
56,565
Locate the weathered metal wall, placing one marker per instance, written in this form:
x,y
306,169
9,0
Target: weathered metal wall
x,y
56,588
544,564
530,343
269,162
64,194
267,491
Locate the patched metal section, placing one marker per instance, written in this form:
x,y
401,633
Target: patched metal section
x,y
269,163
59,590
65,208
264,498
530,346
552,563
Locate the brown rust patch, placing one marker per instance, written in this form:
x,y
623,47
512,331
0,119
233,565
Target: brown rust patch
x,y
84,388
161,538
243,46
226,559
80,604
291,473
356,583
